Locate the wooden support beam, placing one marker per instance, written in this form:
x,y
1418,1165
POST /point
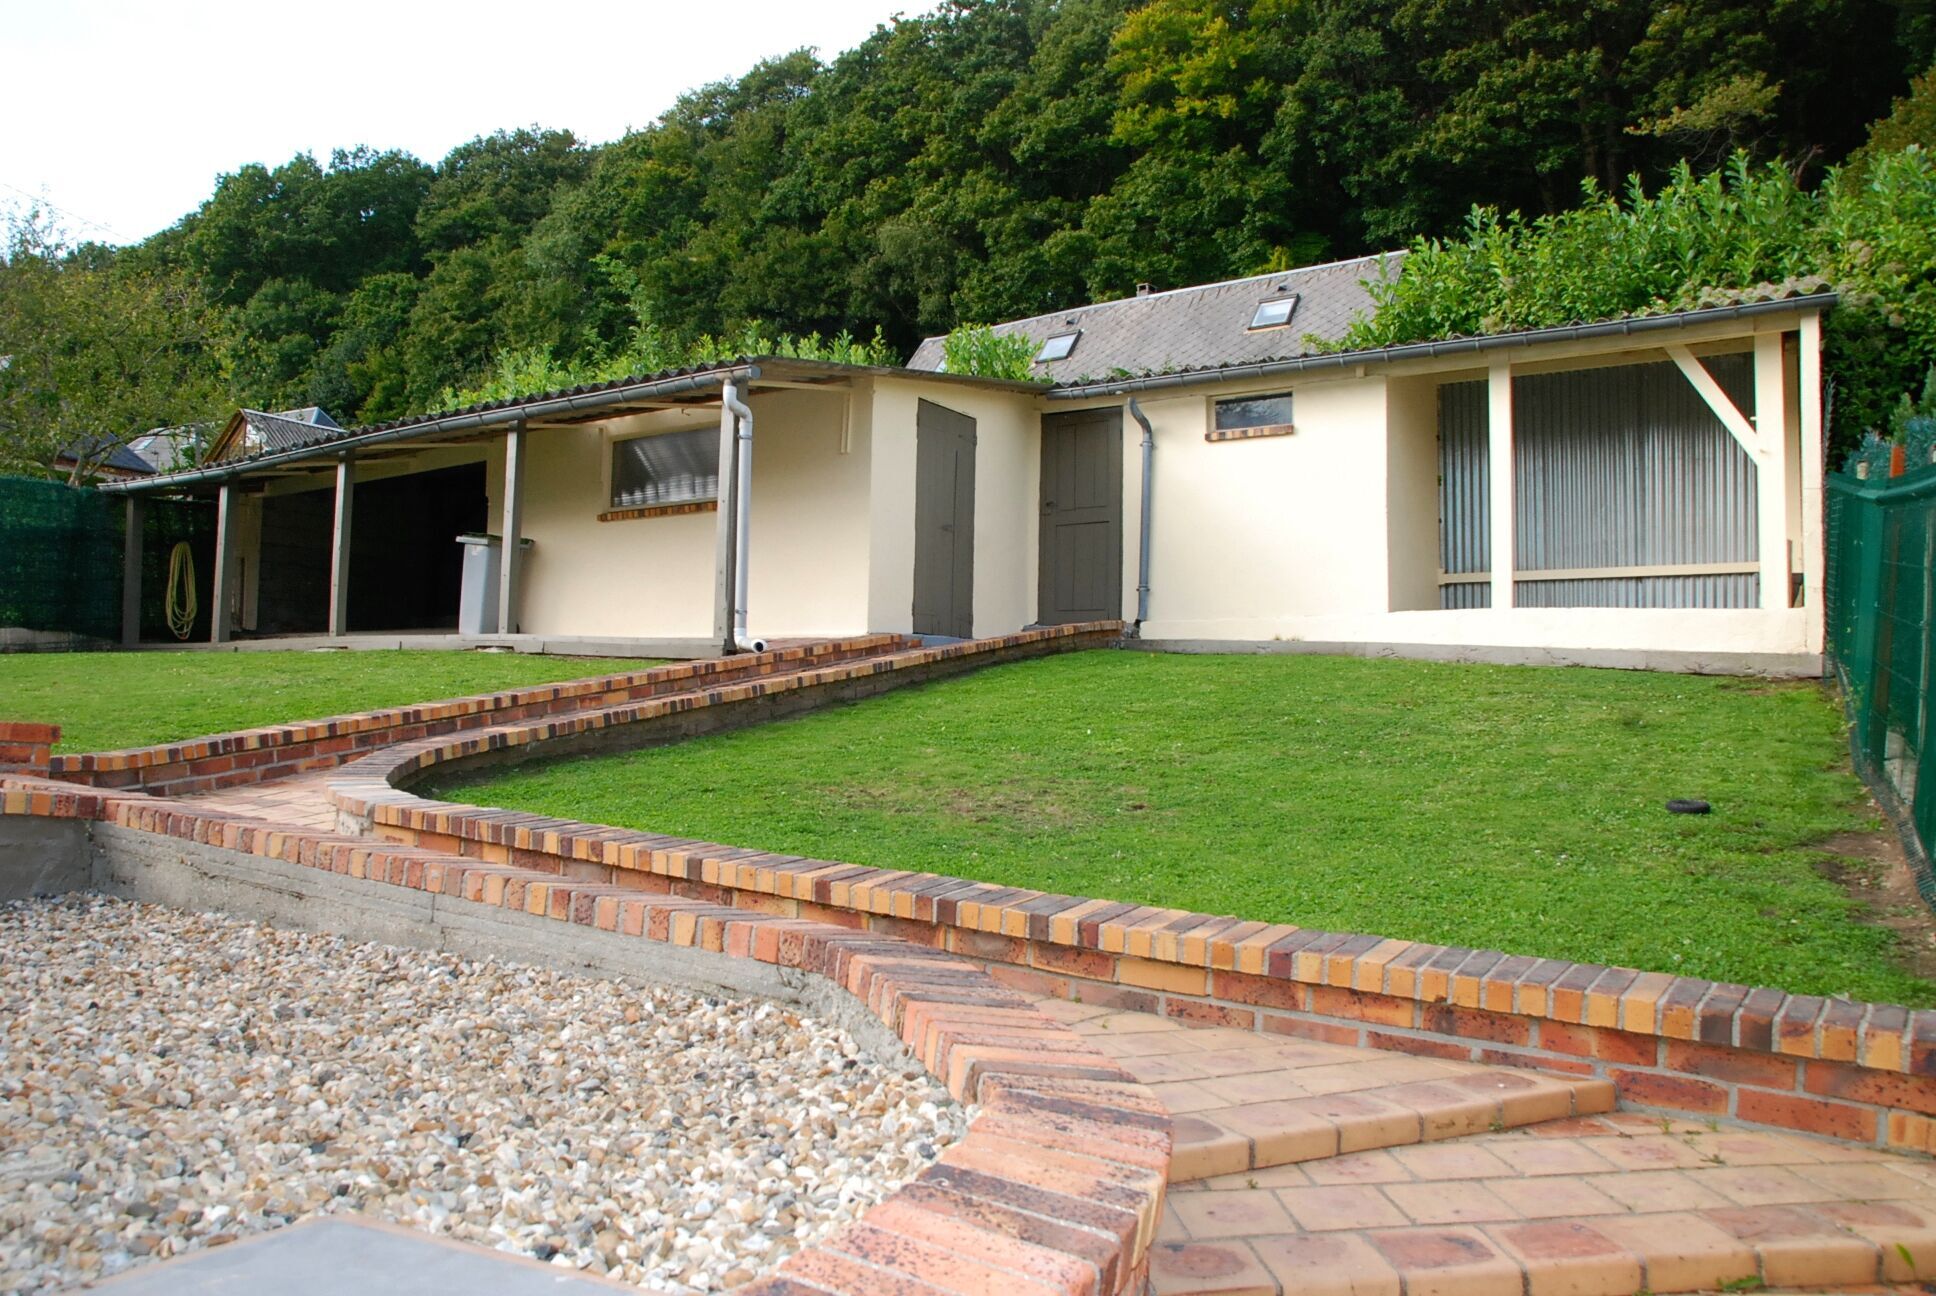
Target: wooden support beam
x,y
1738,424
131,574
1499,440
510,558
339,548
1814,465
220,623
1771,470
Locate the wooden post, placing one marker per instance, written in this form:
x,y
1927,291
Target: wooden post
x,y
725,533
1499,443
509,557
131,575
1814,465
1771,471
339,548
223,575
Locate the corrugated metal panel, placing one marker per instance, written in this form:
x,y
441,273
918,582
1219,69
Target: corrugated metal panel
x,y
1628,467
1727,591
1465,479
1476,594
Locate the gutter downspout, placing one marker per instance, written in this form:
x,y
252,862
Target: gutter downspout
x,y
1143,525
742,513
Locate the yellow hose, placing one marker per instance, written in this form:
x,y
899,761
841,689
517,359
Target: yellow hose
x,y
182,604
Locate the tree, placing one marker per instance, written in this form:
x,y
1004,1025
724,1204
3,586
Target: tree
x,y
93,352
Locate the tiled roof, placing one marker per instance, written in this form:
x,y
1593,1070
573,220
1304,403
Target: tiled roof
x,y
1197,328
290,429
120,458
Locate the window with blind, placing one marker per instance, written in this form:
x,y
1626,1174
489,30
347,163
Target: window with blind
x,y
671,468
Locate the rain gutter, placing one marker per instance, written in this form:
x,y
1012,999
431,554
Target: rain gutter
x,y
1634,327
475,421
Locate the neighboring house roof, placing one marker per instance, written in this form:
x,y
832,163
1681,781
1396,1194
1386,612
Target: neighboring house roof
x,y
166,449
1197,328
119,459
251,432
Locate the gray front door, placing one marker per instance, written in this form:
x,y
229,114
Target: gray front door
x,y
944,522
1081,576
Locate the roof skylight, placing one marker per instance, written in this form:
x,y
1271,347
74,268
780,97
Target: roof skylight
x,y
1057,347
1274,312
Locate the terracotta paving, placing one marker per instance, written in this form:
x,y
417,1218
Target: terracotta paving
x,y
301,800
1245,1101
1411,1191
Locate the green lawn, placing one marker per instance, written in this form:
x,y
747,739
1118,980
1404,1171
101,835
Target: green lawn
x,y
1513,808
110,700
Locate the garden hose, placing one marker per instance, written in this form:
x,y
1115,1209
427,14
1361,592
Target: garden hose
x,y
182,605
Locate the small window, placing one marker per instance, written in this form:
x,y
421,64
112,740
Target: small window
x,y
671,468
1244,412
1274,313
1057,347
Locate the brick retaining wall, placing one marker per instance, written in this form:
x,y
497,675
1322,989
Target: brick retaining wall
x,y
276,751
1864,1073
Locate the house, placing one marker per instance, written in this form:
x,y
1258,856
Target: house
x,y
1643,491
101,459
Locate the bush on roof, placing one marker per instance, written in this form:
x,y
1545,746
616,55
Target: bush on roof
x,y
1737,233
530,370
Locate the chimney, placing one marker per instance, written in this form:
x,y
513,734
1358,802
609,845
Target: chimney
x,y
1142,290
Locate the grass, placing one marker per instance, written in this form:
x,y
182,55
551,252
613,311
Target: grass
x,y
104,701
1511,808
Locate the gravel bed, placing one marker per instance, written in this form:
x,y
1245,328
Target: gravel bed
x,y
170,1081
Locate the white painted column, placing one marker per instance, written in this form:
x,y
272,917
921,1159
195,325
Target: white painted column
x,y
339,548
219,619
1499,441
724,537
131,575
510,556
1771,471
1814,538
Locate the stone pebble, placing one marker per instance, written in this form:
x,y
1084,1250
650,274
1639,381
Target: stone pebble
x,y
171,1081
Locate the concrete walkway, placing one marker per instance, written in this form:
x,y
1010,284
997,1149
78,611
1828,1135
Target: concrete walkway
x,y
346,1255
1324,1171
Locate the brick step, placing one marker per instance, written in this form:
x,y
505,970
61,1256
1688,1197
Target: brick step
x,y
1612,1205
1243,1101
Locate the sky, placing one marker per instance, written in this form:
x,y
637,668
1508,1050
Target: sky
x,y
121,115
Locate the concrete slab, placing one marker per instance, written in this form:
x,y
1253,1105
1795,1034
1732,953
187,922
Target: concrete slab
x,y
349,1255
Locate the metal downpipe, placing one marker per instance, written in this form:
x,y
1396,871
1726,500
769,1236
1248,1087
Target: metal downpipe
x,y
1143,523
742,513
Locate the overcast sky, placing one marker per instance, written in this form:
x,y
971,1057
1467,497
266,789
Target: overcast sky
x,y
121,113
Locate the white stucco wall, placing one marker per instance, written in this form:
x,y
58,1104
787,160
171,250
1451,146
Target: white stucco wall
x,y
654,577
1007,474
1246,534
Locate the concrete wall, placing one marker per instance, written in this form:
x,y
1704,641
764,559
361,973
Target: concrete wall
x,y
1008,469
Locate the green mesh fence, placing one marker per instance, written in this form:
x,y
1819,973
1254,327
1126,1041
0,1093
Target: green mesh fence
x,y
1881,588
61,559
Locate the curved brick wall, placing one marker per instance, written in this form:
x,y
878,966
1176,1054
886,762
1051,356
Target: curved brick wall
x,y
1860,1072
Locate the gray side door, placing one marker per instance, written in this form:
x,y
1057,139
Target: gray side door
x,y
944,522
1081,575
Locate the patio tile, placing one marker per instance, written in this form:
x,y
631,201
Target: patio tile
x,y
1553,1197
1656,1190
1448,1262
1449,1202
1243,1213
1454,1160
1359,1167
1799,1248
1569,1258
1341,1206
1208,1269
1683,1251
1328,1264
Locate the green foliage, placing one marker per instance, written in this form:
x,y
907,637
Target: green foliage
x,y
1417,787
532,370
994,159
97,348
1700,240
977,350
